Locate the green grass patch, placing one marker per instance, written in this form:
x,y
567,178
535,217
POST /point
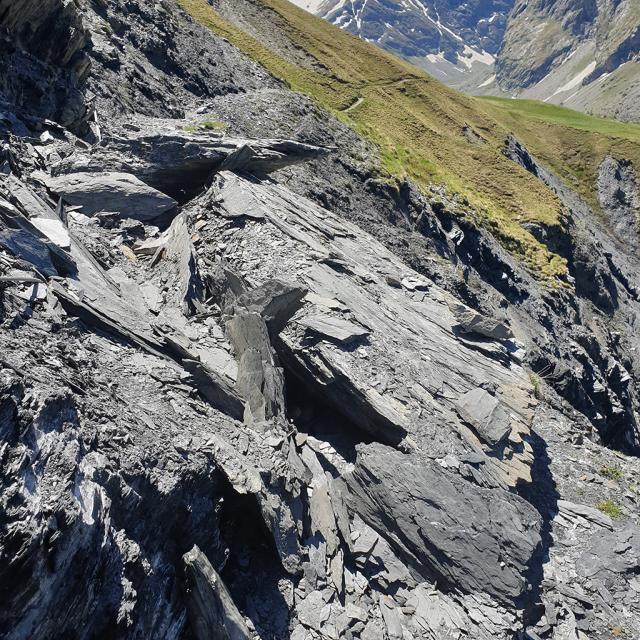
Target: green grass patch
x,y
536,383
612,473
610,508
418,124
210,125
551,113
570,143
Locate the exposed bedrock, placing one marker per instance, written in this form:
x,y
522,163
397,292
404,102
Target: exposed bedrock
x,y
468,538
44,50
251,388
620,199
602,265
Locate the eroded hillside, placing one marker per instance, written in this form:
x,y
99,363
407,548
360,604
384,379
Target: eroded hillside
x,y
298,343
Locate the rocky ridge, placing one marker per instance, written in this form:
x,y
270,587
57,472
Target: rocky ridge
x,y
249,389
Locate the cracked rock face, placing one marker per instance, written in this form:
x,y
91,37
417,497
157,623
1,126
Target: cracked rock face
x,y
245,391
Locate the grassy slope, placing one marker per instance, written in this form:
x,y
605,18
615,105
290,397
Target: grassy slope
x,y
418,124
569,142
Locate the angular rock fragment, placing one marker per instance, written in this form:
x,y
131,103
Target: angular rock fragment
x,y
212,613
179,248
55,231
611,552
230,200
111,191
275,301
259,382
471,321
26,241
332,328
572,511
214,389
486,414
442,526
413,283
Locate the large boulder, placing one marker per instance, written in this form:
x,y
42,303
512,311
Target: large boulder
x,y
445,528
113,192
486,414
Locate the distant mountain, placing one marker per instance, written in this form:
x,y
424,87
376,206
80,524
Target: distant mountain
x,y
578,53
454,41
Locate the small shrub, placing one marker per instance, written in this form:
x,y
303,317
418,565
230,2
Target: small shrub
x,y
610,508
613,473
212,124
537,386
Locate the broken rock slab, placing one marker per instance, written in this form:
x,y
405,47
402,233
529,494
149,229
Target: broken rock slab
x,y
111,191
471,321
260,381
55,231
181,161
467,537
485,414
229,200
333,328
212,613
275,301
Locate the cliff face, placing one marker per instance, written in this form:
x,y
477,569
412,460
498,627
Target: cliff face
x,y
44,49
582,54
253,386
418,29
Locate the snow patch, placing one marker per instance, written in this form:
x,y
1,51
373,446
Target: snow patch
x,y
469,56
433,58
311,6
575,81
487,82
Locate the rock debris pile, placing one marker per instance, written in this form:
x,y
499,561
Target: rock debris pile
x,y
227,411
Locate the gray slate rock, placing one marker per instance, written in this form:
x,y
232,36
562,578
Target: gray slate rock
x,y
275,301
212,612
260,381
332,328
471,321
112,191
465,536
485,414
611,552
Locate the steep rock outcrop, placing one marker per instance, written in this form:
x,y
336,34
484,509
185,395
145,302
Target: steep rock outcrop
x,y
135,426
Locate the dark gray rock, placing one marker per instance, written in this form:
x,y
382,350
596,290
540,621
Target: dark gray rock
x,y
121,441
611,552
471,321
260,381
212,613
114,192
180,162
275,301
486,414
443,527
332,328
620,199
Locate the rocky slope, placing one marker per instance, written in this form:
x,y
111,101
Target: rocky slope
x,y
583,55
251,386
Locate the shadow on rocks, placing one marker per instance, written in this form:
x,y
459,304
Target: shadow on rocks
x,y
542,494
